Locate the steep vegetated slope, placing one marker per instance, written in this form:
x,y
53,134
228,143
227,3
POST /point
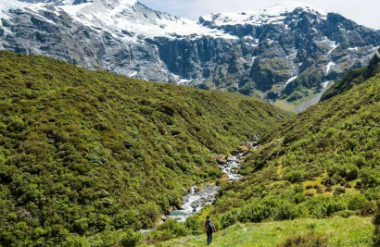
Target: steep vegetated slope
x,y
324,162
353,78
81,151
288,52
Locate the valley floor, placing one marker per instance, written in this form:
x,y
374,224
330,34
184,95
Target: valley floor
x,y
354,231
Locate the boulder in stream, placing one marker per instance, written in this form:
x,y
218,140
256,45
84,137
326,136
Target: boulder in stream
x,y
221,160
243,149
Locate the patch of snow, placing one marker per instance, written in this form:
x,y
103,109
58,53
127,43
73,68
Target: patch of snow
x,y
353,49
272,15
325,84
334,46
7,5
329,65
39,52
300,64
248,37
176,77
121,16
184,81
290,80
68,2
132,74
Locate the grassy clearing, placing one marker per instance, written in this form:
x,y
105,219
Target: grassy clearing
x,y
354,231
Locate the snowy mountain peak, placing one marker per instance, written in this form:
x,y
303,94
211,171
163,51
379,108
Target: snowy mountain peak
x,y
271,15
290,6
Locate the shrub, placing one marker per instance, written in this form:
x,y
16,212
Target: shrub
x,y
308,187
329,181
367,209
286,211
81,225
341,190
131,239
359,161
229,219
174,228
195,225
76,242
328,189
256,212
295,176
356,201
345,213
376,222
337,193
348,186
308,240
298,189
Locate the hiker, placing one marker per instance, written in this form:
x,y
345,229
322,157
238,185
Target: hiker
x,y
209,229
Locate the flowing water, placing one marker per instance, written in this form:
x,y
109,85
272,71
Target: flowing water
x,y
195,201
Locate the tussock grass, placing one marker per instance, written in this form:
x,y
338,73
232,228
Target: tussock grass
x,y
354,231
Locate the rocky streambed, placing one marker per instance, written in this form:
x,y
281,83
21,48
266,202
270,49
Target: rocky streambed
x,y
203,195
195,201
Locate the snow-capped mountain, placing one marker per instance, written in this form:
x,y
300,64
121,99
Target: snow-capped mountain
x,y
288,51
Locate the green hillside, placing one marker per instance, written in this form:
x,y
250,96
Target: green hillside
x,y
332,150
86,152
320,164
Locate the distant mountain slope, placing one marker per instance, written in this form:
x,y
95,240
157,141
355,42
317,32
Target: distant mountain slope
x,y
286,52
353,78
82,151
322,163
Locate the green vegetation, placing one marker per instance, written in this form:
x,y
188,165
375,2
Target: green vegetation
x,y
320,164
88,157
343,232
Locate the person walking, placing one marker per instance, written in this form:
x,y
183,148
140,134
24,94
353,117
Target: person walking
x,y
209,229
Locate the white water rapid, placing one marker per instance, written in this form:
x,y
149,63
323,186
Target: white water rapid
x,y
195,201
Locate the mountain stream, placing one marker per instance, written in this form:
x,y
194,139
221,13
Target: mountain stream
x,y
204,195
198,198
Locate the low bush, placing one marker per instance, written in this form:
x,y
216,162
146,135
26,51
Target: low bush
x,y
367,209
131,239
308,240
340,190
328,189
346,213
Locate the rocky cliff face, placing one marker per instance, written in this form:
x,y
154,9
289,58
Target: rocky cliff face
x,y
354,77
287,53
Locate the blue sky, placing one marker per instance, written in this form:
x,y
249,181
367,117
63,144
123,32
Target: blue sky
x,y
364,12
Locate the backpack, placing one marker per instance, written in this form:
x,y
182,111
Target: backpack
x,y
209,225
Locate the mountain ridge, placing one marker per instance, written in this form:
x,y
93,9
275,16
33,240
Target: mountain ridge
x,y
285,58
